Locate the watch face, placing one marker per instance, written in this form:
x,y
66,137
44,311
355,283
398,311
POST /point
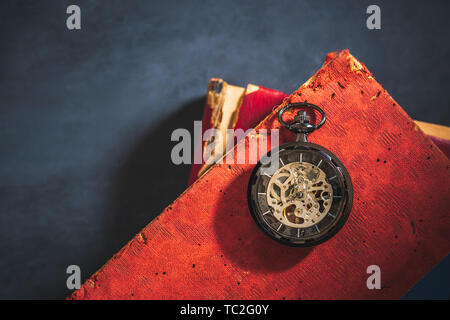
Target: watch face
x,y
303,201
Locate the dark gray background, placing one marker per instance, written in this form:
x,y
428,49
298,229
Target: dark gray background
x,y
86,115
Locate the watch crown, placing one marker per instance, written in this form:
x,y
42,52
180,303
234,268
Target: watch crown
x,y
301,123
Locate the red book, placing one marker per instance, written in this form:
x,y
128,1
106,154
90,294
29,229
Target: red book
x,y
205,245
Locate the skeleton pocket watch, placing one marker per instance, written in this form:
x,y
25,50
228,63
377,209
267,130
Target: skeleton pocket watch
x,y
307,197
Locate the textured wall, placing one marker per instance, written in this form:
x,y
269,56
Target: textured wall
x,y
86,115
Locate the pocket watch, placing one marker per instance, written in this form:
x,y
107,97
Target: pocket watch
x,y
306,197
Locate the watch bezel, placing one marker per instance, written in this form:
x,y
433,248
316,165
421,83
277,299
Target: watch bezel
x,y
348,190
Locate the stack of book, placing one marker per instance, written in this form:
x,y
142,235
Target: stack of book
x,y
205,245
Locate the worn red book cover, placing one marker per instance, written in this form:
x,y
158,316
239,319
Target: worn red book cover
x,y
205,245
